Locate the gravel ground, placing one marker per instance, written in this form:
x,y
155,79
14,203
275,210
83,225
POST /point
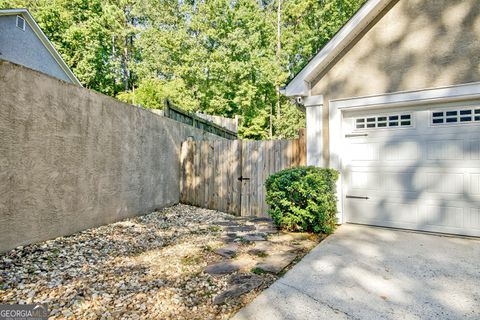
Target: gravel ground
x,y
148,267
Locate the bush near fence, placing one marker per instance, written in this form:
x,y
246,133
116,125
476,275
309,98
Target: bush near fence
x,y
303,199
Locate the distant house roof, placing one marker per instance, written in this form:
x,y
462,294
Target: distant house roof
x,y
43,38
299,85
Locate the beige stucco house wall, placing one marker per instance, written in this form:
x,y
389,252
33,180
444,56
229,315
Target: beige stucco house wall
x,y
416,44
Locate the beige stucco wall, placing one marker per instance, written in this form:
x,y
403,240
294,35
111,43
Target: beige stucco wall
x,y
71,158
416,44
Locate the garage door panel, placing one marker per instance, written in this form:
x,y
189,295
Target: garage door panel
x,y
364,181
423,177
439,218
474,149
381,212
443,179
443,216
434,150
473,218
365,152
475,183
444,183
391,181
375,151
399,181
400,151
448,149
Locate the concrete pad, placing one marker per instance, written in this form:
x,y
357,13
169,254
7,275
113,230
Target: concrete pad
x,y
364,272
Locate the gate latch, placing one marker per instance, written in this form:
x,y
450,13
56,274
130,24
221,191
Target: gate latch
x,y
242,178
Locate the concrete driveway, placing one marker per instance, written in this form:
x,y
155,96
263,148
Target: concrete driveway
x,y
365,272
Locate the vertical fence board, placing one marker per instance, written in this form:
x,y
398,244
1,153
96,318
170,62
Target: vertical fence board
x,y
221,164
183,163
236,173
229,174
245,205
216,173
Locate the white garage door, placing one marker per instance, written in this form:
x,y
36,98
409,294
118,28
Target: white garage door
x,y
414,168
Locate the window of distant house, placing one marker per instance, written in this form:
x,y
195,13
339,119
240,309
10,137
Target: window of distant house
x,y
21,23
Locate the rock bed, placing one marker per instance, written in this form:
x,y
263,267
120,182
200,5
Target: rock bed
x,y
154,266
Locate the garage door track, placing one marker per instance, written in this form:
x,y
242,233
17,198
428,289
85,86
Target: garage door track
x,y
363,272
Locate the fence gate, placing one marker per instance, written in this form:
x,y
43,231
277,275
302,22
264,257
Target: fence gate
x,y
229,175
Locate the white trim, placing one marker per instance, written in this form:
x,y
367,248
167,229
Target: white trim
x,y
24,22
315,136
43,38
335,119
454,93
299,86
312,101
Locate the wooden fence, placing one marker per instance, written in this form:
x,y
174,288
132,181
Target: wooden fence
x,y
228,123
191,119
229,175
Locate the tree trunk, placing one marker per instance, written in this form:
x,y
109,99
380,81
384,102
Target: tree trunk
x,y
279,49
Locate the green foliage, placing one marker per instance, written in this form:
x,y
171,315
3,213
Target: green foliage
x,y
151,93
291,120
216,56
258,271
303,199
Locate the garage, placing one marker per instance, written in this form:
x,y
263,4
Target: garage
x,y
392,102
414,167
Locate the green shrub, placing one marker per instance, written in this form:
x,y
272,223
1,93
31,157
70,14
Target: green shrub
x,y
303,199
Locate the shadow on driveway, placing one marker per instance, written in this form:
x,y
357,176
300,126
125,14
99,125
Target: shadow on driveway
x,y
364,272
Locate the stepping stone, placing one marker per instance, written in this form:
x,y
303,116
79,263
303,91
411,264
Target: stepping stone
x,y
276,262
242,284
229,251
222,268
254,237
228,240
245,278
273,248
225,223
261,219
266,246
237,218
239,228
231,235
257,252
244,262
267,229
